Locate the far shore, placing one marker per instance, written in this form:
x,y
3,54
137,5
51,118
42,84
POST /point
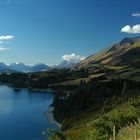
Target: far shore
x,y
30,89
40,90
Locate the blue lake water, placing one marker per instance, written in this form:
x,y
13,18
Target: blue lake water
x,y
21,114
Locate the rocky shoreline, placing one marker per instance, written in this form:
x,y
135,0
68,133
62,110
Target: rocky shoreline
x,y
50,116
41,90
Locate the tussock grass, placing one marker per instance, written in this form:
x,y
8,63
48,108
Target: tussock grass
x,y
131,132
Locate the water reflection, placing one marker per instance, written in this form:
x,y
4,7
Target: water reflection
x,y
5,107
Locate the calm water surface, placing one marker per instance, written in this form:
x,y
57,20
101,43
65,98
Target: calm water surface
x,y
21,114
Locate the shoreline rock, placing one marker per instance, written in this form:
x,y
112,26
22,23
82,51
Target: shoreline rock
x,y
49,115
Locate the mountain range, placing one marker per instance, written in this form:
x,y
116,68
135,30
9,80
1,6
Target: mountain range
x,y
124,53
21,67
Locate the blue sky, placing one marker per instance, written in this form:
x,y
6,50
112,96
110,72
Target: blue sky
x,y
45,30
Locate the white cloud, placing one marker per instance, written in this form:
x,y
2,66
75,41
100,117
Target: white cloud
x,y
73,57
132,30
4,39
7,37
3,49
136,14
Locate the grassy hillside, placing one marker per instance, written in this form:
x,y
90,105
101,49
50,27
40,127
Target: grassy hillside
x,y
98,125
102,127
123,53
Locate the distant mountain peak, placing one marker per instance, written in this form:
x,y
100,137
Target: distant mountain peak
x,y
40,64
127,40
66,64
130,40
39,67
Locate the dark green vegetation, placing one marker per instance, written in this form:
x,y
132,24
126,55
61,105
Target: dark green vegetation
x,y
42,80
101,92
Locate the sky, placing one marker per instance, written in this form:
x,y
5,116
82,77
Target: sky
x,y
49,31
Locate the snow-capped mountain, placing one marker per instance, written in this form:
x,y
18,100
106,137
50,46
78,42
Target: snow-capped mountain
x,y
21,67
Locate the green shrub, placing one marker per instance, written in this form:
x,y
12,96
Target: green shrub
x,y
119,117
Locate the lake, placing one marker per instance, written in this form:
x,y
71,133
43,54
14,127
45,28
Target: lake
x,y
21,114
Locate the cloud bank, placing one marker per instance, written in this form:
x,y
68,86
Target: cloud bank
x,y
131,30
73,57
